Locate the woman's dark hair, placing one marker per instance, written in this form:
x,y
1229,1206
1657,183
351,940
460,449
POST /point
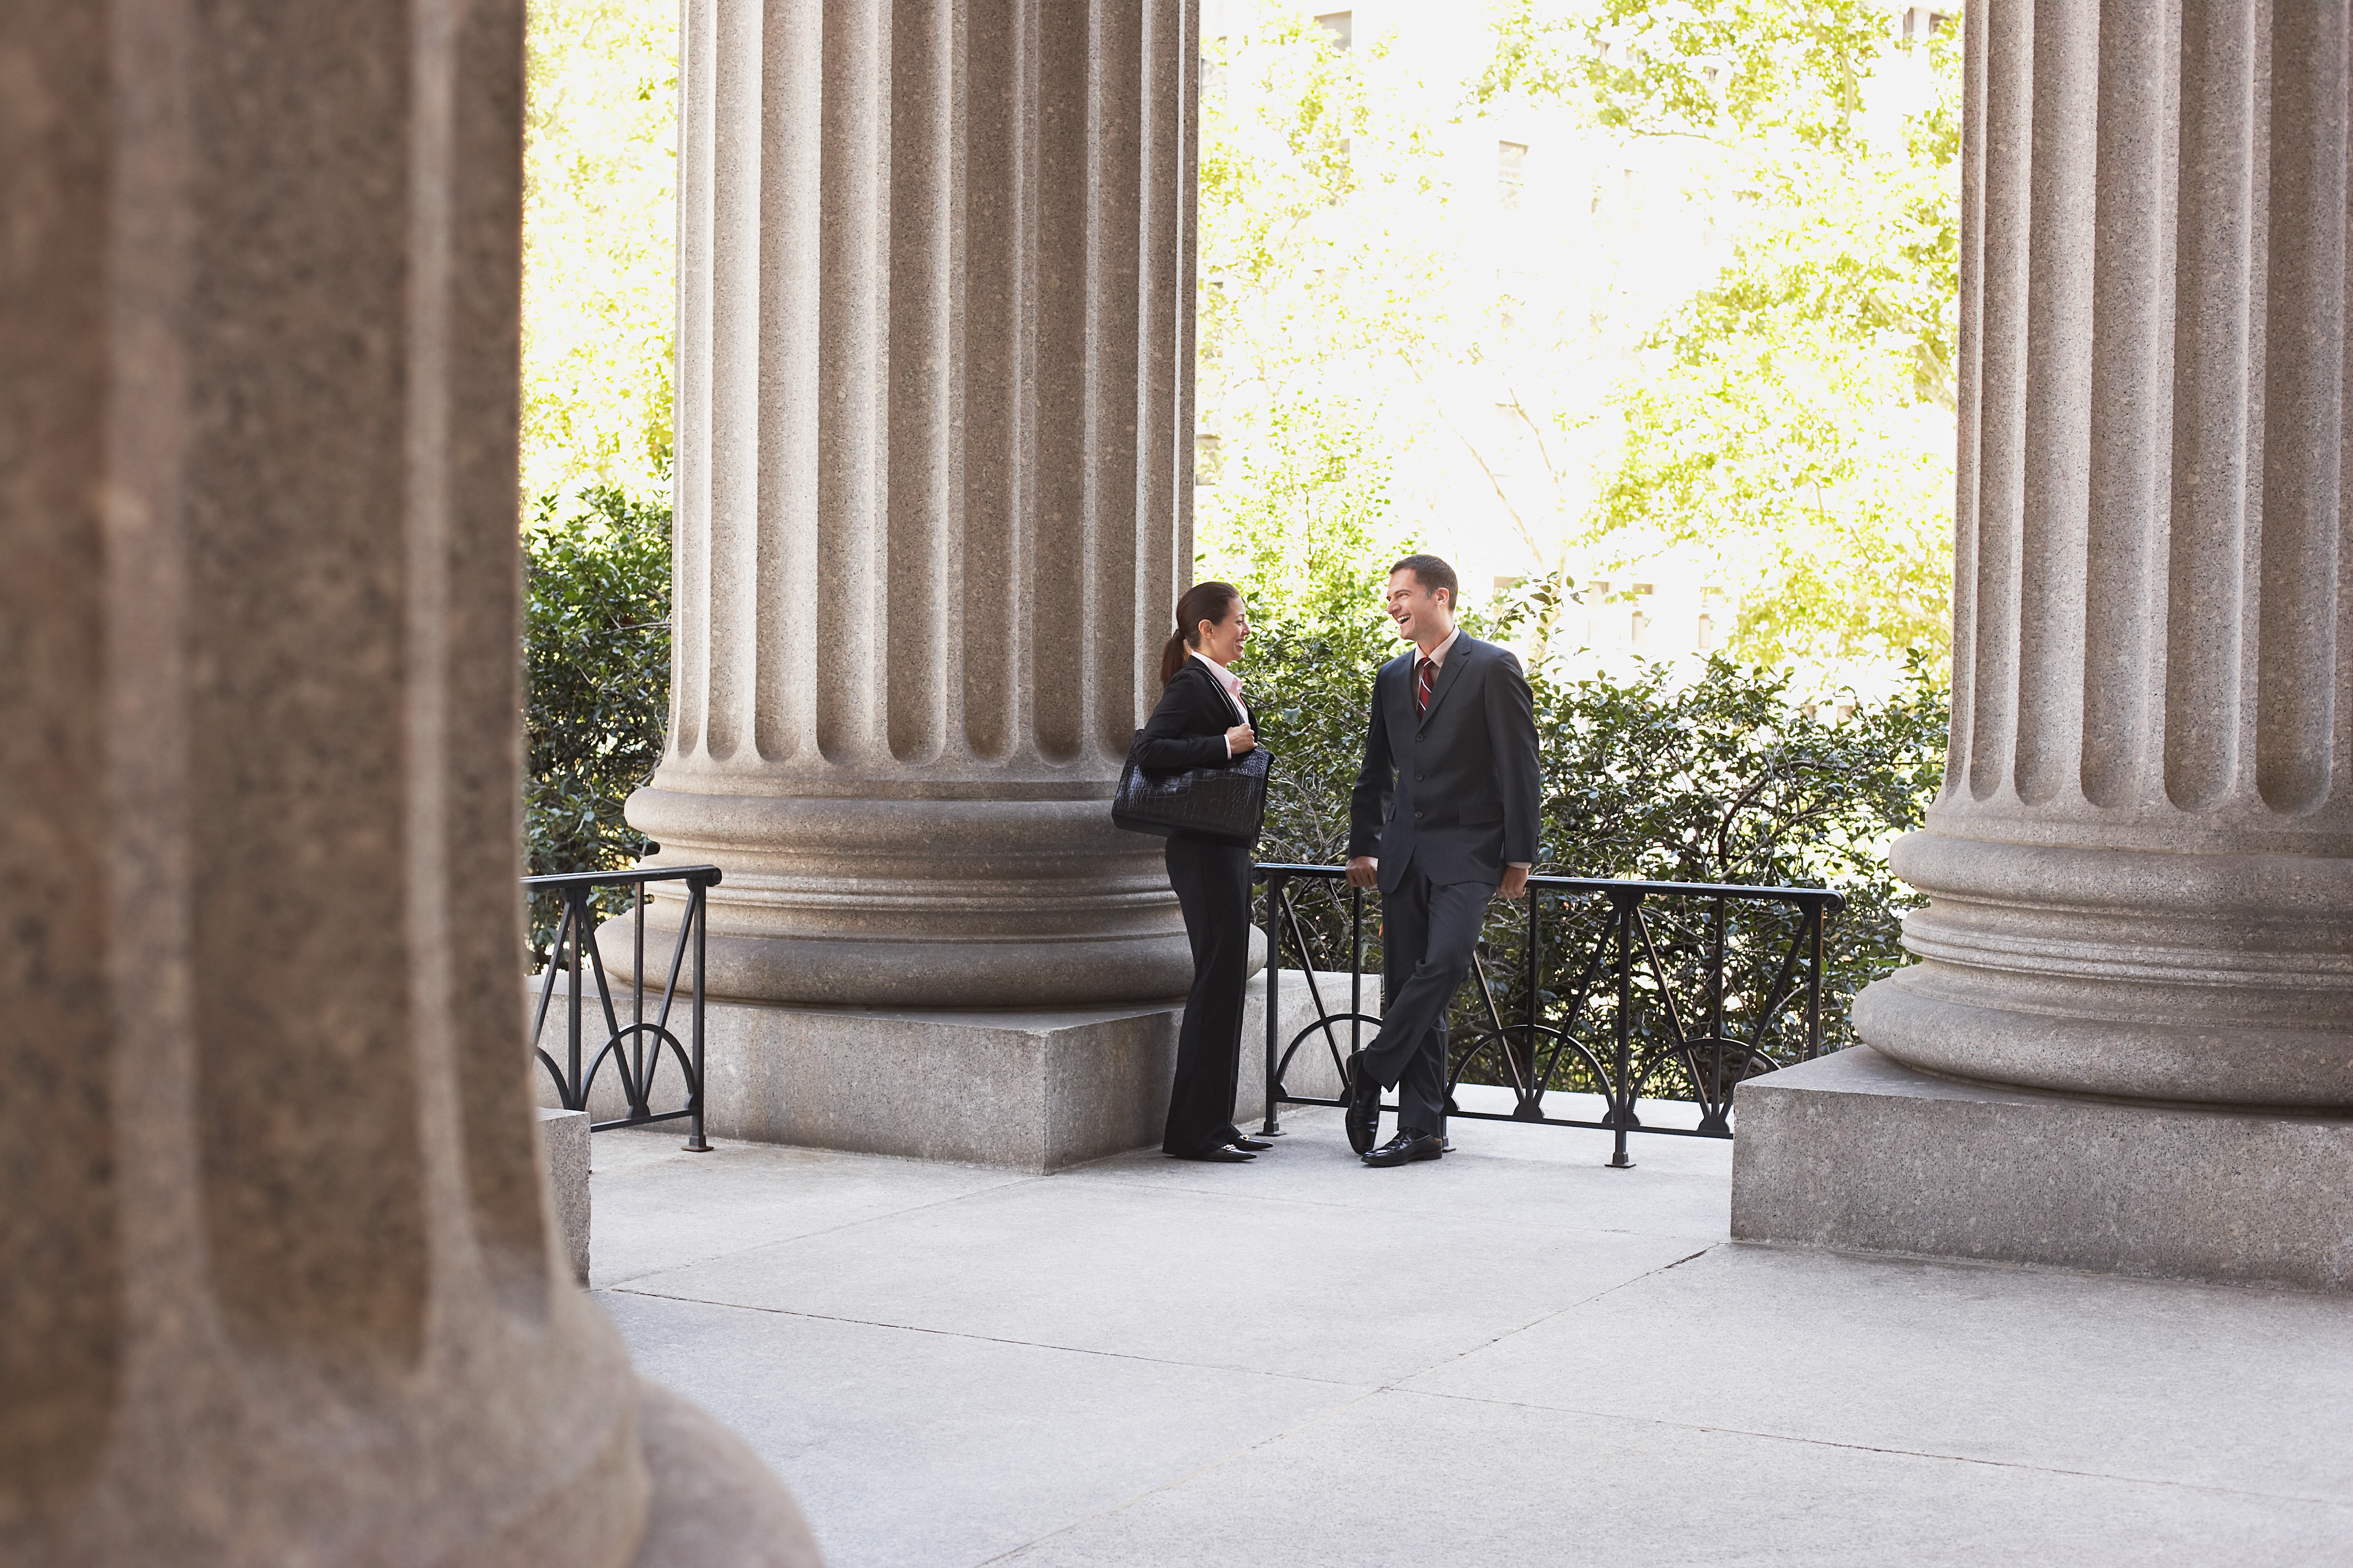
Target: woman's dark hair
x,y
1210,602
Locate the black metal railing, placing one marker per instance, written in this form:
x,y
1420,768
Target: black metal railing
x,y
1598,1010
636,1049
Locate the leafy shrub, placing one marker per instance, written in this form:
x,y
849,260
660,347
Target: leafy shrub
x,y
1305,511
596,683
1731,777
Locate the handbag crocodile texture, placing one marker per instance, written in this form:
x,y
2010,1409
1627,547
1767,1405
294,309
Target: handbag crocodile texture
x,y
1226,804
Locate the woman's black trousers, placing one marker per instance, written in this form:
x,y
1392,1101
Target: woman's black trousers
x,y
1212,883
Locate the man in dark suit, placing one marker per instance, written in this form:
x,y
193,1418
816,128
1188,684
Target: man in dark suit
x,y
1443,818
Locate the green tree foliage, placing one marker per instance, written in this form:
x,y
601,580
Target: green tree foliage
x,y
1794,417
600,198
1320,218
597,675
1734,777
1308,555
1714,68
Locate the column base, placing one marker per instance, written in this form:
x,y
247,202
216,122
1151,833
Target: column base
x,y
948,972
1856,1151
1033,1091
2216,979
712,1502
858,903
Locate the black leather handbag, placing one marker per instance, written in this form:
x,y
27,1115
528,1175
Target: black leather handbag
x,y
1226,802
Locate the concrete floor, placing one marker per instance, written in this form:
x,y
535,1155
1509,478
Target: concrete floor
x,y
1514,1356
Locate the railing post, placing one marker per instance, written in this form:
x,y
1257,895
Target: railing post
x,y
1356,970
643,1076
1716,988
575,914
695,1141
1271,1126
1814,916
1714,1099
1527,1073
1622,1091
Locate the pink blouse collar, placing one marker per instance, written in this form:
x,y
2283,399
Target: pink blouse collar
x,y
1226,678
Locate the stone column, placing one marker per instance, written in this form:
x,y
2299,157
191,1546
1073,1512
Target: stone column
x,y
2128,1045
276,1271
2140,869
933,481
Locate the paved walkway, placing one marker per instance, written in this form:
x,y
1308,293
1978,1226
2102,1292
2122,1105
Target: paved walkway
x,y
1513,1357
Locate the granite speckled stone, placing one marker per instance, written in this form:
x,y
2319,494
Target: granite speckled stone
x,y
2139,869
276,1272
1857,1151
564,1150
1037,1089
934,508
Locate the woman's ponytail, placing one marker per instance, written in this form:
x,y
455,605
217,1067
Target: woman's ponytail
x,y
1210,602
1172,657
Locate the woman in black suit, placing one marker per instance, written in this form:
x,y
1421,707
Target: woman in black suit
x,y
1201,722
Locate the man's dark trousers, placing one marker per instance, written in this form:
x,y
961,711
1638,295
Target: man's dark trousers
x,y
1429,931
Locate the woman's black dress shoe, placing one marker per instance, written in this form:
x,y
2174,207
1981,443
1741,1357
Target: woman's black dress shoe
x,y
1255,1145
1220,1155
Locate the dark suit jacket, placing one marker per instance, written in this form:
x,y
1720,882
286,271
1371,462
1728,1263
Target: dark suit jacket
x,y
1456,789
1187,730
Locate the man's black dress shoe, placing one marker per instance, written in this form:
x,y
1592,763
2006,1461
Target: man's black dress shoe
x,y
1363,1116
1411,1143
1255,1145
1220,1155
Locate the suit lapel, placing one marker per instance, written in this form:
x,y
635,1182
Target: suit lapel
x,y
1219,702
1401,719
1232,705
1447,673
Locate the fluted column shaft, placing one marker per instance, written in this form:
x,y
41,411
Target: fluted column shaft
x,y
2140,867
276,1283
935,340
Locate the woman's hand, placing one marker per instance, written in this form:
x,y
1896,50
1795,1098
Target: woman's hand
x,y
1239,739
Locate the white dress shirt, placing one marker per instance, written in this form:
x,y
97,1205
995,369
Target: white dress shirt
x,y
1437,655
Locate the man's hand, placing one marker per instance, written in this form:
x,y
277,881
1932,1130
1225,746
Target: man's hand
x,y
1364,872
1514,883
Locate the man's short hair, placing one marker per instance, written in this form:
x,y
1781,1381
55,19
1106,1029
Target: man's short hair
x,y
1433,575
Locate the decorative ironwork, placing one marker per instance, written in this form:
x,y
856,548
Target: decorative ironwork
x,y
636,1049
1597,1011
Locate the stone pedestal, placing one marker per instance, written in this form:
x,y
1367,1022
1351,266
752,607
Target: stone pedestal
x,y
1856,1151
934,454
277,1275
2140,867
1033,1091
564,1150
